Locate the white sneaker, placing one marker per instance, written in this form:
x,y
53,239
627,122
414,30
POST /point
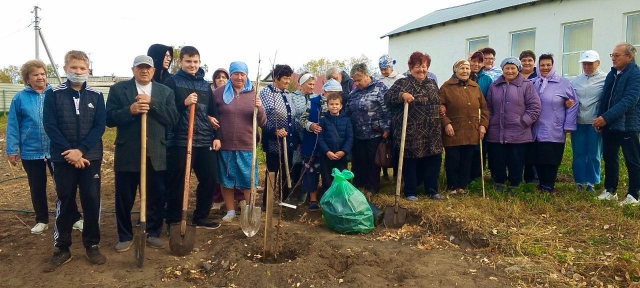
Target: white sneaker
x,y
606,195
78,225
229,217
629,200
39,228
217,206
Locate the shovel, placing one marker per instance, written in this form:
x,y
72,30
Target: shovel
x,y
395,216
250,220
481,158
181,240
141,237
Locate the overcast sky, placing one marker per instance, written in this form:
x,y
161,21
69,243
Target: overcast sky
x,y
114,32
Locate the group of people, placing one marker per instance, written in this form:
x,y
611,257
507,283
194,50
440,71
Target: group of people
x,y
519,113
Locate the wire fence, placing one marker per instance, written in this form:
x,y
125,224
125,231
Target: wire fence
x,y
8,91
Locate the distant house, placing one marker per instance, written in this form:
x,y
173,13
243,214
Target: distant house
x,y
562,27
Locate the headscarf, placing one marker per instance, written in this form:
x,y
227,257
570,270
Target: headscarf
x,y
229,94
543,81
385,61
304,78
455,68
511,60
332,86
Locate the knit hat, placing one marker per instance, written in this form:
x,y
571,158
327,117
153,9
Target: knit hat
x,y
385,61
511,60
332,86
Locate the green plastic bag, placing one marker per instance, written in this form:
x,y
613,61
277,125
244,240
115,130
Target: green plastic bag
x,y
344,208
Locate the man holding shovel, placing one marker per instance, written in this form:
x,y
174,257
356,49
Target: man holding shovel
x,y
128,102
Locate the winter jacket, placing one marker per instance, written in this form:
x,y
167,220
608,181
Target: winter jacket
x,y
336,134
25,131
279,110
619,106
393,77
554,117
236,120
317,105
71,126
182,85
157,53
424,131
483,81
463,101
301,105
368,111
347,86
589,91
162,114
513,108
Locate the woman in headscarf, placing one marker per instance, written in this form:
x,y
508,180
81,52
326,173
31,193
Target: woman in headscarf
x,y
463,100
220,78
513,106
549,132
370,118
280,124
236,100
423,141
301,103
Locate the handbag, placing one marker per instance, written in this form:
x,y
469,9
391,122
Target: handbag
x,y
383,154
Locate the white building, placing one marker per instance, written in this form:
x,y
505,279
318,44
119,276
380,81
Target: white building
x,y
564,28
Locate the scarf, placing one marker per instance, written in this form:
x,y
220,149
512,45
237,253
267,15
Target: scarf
x,y
229,93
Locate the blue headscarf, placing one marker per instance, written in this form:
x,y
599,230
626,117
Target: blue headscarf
x,y
229,94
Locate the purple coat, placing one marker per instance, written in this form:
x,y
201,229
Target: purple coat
x,y
513,108
554,117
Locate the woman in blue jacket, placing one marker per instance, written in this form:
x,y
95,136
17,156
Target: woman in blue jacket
x,y
27,140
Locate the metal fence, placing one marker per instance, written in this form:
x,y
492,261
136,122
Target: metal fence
x,y
7,91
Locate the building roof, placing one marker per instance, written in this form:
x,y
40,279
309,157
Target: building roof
x,y
458,12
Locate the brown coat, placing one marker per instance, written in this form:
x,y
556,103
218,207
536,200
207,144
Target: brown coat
x,y
462,103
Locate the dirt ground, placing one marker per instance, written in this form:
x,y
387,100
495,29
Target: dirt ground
x,y
310,255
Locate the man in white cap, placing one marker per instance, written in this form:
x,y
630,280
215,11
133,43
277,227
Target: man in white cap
x,y
127,101
619,121
586,143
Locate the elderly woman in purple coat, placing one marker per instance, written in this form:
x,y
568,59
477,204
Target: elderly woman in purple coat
x,y
547,148
513,107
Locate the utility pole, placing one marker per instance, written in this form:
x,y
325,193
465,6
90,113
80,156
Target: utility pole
x,y
37,30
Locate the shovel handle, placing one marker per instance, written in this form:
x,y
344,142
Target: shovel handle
x,y
403,136
286,162
143,167
187,170
481,157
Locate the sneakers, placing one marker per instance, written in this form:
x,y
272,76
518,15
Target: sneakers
x,y
313,206
155,242
606,195
629,200
39,228
436,196
60,257
123,246
206,224
94,255
78,225
411,198
229,217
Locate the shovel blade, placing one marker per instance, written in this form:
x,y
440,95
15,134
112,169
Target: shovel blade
x,y
139,244
378,215
393,219
179,244
250,221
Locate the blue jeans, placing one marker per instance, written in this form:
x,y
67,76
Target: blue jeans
x,y
586,144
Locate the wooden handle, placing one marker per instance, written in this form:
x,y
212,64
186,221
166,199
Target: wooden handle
x,y
405,116
187,169
286,161
143,167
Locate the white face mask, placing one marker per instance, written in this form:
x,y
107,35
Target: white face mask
x,y
77,79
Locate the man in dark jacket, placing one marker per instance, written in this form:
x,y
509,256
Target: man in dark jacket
x,y
127,101
619,121
191,88
74,118
161,55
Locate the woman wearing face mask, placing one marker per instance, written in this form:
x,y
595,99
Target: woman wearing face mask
x,y
547,148
301,103
513,106
423,142
463,130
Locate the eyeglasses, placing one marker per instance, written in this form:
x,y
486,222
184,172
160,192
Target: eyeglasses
x,y
616,55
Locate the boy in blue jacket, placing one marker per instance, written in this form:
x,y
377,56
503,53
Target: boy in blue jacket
x,y
336,137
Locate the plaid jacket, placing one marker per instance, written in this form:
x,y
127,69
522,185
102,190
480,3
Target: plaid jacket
x,y
368,112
